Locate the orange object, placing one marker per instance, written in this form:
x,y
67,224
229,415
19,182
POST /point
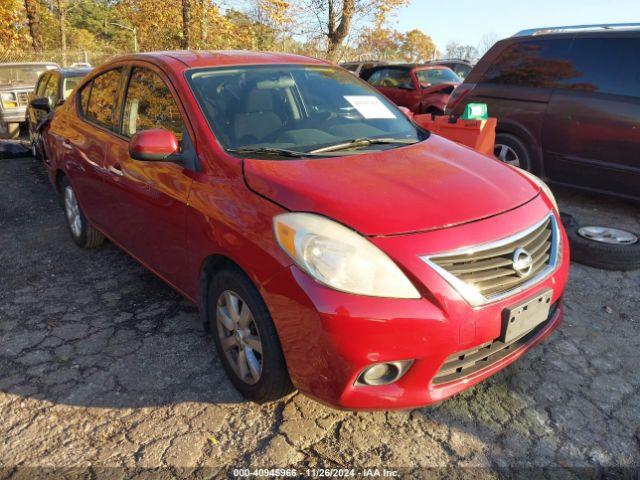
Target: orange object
x,y
477,134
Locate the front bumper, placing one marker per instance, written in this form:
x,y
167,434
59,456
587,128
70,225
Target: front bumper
x,y
13,115
328,337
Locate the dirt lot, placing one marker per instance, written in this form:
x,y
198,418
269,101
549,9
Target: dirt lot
x,y
102,365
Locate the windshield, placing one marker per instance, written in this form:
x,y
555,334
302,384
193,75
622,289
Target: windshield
x,y
436,76
297,108
21,75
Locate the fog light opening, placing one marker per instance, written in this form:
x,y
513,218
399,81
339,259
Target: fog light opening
x,y
383,373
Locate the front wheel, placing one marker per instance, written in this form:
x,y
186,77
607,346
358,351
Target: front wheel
x,y
245,337
83,234
510,149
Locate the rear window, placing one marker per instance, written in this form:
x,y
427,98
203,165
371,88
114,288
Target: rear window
x,y
534,63
605,65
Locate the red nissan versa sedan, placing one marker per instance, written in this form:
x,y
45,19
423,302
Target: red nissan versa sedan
x,y
331,244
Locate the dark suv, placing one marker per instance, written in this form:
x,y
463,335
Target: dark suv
x,y
567,101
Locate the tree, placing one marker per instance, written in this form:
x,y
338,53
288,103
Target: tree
x,y
13,35
338,25
417,46
461,52
61,10
33,18
186,24
380,44
335,18
486,42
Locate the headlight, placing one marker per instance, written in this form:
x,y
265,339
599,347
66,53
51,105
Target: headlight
x,y
9,100
340,258
545,188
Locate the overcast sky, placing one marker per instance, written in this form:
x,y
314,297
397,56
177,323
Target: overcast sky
x,y
466,20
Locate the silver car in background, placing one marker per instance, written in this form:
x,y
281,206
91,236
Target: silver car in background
x,y
17,81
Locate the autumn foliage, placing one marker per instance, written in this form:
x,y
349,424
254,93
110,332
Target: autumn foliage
x,y
333,29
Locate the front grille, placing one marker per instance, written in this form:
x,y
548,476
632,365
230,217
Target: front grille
x,y
464,363
489,271
23,98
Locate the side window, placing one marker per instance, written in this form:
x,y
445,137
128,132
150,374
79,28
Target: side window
x,y
534,63
51,90
84,97
149,104
605,65
41,85
103,97
68,84
391,77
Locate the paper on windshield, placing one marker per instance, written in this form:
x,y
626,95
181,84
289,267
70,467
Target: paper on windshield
x,y
369,106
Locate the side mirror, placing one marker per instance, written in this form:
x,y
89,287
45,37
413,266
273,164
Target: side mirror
x,y
425,85
41,103
407,113
155,144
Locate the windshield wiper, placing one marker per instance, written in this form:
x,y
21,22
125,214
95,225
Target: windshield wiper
x,y
363,142
281,152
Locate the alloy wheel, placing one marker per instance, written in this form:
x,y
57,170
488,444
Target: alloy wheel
x,y
239,337
506,154
612,236
72,210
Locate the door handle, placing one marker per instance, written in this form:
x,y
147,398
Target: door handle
x,y
115,170
67,144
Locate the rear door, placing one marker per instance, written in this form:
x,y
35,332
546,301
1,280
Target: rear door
x,y
84,139
148,199
592,129
398,85
518,85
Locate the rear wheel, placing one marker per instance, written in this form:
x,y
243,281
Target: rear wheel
x,y
83,234
9,130
512,150
245,337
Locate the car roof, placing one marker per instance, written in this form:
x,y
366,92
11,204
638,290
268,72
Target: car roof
x,y
406,66
72,72
444,61
29,64
580,29
194,59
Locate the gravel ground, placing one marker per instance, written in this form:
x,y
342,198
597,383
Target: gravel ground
x,y
104,367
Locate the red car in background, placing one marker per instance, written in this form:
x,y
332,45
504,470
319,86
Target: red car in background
x,y
331,244
420,88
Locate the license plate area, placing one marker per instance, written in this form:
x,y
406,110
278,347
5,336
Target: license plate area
x,y
524,317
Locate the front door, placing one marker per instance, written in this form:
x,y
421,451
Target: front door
x,y
591,135
148,199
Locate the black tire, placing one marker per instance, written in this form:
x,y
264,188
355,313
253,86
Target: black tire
x,y
597,254
514,146
274,382
35,150
85,236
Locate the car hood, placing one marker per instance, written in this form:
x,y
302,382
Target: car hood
x,y
430,185
449,87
